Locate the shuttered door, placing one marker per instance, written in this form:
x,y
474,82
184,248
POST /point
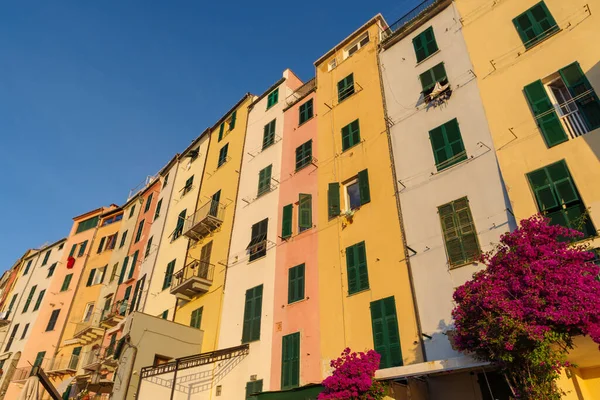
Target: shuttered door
x,y
252,314
577,83
545,114
386,337
333,199
286,223
305,211
290,361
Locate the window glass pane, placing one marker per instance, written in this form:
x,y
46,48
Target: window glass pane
x,y
353,195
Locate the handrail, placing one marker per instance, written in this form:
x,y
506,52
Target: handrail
x,y
196,268
408,17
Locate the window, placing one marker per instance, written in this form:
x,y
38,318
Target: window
x,y
252,314
131,211
333,200
258,242
27,267
96,276
87,224
386,338
567,103
269,134
205,254
272,98
46,257
193,155
148,247
222,155
39,359
38,302
87,314
66,283
286,221
113,219
232,120
52,321
25,331
101,245
350,135
459,232
12,302
357,192
179,227
165,181
304,212
123,237
214,205
125,302
218,390
290,361
345,88
111,242
253,387
29,298
535,24
432,76
356,266
133,264
188,185
111,346
221,131
352,195
165,314
264,180
168,274
113,272
123,269
296,283
82,247
425,44
196,318
306,111
107,304
138,234
149,201
157,212
136,295
11,337
74,361
51,270
557,197
447,145
303,155
60,246
356,45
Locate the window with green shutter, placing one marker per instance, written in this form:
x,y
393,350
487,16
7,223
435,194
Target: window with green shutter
x,y
345,88
27,267
168,274
303,155
123,239
386,338
545,114
148,203
258,242
221,131
305,111
557,197
535,24
425,44
580,89
264,180
189,183
11,337
350,135
148,247
22,335
133,264
51,270
296,283
290,361
253,387
432,76
252,314
269,134
165,314
66,283
87,224
272,98
131,211
39,359
447,145
363,187
180,223
46,257
196,318
29,298
123,269
333,200
12,302
232,120
82,249
101,245
157,212
136,293
73,248
91,277
286,221
38,302
304,212
125,303
223,155
356,266
138,234
460,235
53,319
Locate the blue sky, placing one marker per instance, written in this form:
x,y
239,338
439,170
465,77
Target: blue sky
x,y
96,95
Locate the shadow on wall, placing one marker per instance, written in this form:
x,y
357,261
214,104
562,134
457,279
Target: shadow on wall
x,y
593,138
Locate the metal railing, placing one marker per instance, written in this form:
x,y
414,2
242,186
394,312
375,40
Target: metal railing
x,y
96,356
574,124
117,308
64,363
198,269
212,209
408,17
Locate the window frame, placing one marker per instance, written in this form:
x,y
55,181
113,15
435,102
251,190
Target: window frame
x,y
272,98
305,112
306,155
345,89
535,26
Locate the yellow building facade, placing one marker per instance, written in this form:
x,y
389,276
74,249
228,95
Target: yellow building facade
x,y
199,284
539,75
364,283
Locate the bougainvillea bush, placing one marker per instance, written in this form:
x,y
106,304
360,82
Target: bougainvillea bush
x,y
522,311
352,377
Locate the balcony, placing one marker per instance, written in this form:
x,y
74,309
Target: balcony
x,y
205,220
114,315
97,358
4,321
65,365
193,279
87,332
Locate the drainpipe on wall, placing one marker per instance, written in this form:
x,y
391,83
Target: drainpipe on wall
x,y
399,209
128,378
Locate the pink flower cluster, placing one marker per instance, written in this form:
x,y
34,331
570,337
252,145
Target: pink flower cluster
x,y
353,377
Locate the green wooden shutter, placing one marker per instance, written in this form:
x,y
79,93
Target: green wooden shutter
x,y
91,277
292,285
451,235
290,361
535,24
264,180
123,270
296,283
82,249
345,88
545,114
361,266
252,314
221,130
196,318
29,298
351,269
38,302
66,282
255,332
286,224
46,257
232,120
305,211
447,145
39,358
577,83
169,274
350,135
101,246
72,252
247,326
158,206
425,44
466,227
386,338
123,239
253,387
363,186
133,264
393,336
333,199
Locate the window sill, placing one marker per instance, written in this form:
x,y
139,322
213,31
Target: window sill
x,y
346,98
449,167
541,40
257,259
351,147
304,122
298,169
297,301
453,267
359,292
427,58
264,148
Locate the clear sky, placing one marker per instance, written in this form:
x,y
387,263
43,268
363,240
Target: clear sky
x,y
96,95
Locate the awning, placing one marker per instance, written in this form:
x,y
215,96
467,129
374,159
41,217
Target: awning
x,y
430,368
307,392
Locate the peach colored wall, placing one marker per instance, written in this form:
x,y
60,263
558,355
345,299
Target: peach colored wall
x,y
301,316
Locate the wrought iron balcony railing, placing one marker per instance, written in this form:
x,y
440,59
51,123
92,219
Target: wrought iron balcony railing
x,y
193,279
205,220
